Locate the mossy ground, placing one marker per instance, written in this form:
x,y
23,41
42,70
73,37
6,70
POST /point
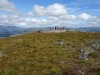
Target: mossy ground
x,y
37,54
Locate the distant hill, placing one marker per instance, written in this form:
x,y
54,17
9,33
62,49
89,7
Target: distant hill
x,y
9,28
6,31
41,28
89,29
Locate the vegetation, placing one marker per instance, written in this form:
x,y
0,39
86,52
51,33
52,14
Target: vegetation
x,y
39,54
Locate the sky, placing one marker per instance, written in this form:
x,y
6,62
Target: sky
x,y
49,13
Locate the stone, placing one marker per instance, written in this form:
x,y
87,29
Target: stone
x,y
63,62
84,54
60,42
44,57
79,71
95,45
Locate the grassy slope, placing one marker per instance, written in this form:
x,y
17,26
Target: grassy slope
x,y
37,54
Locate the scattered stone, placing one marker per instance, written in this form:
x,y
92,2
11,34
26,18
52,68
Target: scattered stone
x,y
17,40
84,54
63,62
44,57
60,42
79,71
95,45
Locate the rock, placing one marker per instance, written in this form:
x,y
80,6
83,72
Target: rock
x,y
63,62
84,54
86,58
79,71
60,42
95,45
44,57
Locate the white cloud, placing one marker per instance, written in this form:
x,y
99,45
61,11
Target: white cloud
x,y
11,20
85,16
51,10
39,10
55,14
56,10
7,6
68,17
22,24
66,20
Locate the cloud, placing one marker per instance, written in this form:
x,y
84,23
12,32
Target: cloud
x,y
85,16
39,10
7,6
11,20
67,20
56,9
51,15
51,10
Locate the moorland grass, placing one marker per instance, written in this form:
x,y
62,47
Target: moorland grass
x,y
37,54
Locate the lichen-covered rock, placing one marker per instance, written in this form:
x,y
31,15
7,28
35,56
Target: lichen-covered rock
x,y
60,42
95,46
84,54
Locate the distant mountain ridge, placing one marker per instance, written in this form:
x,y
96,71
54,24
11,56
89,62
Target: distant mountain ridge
x,y
6,31
89,29
9,28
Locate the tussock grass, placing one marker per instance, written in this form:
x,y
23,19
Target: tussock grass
x,y
37,54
